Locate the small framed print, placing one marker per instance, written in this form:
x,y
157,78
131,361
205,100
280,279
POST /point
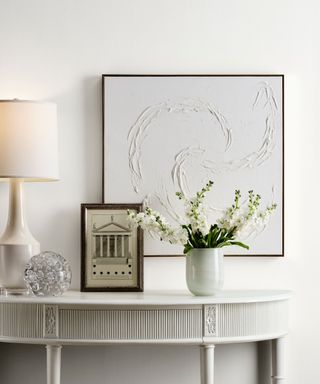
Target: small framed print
x,y
111,249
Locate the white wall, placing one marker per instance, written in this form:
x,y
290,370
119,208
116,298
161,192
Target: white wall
x,y
57,50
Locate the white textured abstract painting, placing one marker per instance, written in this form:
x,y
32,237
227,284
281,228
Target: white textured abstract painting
x,y
164,134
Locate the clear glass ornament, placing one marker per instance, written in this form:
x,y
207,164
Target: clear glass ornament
x,y
47,274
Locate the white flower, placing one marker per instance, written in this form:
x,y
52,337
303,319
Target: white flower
x,y
157,225
237,222
248,219
195,210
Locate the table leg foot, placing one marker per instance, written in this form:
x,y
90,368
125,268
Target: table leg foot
x,y
53,364
207,364
278,364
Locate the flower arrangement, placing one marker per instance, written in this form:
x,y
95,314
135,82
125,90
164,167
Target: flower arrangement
x,y
237,222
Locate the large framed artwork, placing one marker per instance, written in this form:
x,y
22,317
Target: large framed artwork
x,y
168,133
111,251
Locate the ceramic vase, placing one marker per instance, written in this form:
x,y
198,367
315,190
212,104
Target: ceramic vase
x,y
204,271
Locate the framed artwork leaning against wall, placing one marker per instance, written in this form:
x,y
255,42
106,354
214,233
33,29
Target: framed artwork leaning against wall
x,y
164,134
111,250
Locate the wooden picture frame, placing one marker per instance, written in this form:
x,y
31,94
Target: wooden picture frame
x,y
162,131
111,250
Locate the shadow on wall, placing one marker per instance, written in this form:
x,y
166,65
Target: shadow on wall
x,y
264,362
92,112
134,364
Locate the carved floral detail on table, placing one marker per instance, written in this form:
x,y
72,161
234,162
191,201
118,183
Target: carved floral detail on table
x,y
51,321
211,320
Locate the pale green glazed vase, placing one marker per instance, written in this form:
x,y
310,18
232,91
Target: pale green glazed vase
x,y
204,271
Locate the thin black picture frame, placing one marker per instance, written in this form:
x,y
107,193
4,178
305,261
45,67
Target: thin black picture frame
x,y
84,231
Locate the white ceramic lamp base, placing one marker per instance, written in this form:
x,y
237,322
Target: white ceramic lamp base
x,y
17,245
13,258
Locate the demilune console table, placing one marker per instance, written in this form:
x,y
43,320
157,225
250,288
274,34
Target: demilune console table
x,y
158,317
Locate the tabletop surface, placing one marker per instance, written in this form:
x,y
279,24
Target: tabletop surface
x,y
163,297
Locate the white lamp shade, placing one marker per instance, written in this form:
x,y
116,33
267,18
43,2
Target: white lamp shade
x,y
28,140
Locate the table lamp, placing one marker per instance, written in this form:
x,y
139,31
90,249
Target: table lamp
x,y
28,152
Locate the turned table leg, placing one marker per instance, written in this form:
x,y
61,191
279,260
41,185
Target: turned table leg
x,y
277,353
53,364
207,364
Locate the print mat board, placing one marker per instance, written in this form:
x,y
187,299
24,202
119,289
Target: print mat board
x,y
168,133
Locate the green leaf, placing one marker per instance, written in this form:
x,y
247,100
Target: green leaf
x,y
228,243
187,248
215,235
209,239
239,244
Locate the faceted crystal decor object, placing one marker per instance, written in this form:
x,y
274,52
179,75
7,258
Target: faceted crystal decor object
x,y
47,274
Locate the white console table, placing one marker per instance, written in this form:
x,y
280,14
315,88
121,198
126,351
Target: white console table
x,y
148,318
